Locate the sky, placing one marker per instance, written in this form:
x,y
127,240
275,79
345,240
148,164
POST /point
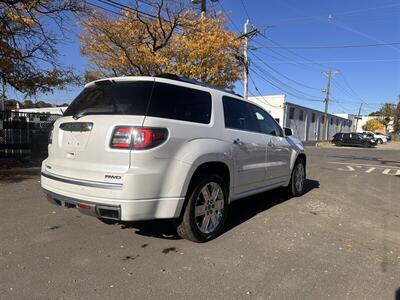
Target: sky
x,y
297,42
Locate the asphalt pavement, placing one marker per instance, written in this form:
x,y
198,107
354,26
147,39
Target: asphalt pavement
x,y
341,240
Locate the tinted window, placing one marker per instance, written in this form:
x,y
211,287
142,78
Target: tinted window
x,y
180,103
237,114
266,123
337,136
301,115
120,98
346,135
291,113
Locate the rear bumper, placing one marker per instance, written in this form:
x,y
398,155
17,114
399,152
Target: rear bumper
x,y
122,210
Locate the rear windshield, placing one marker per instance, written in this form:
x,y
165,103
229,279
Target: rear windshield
x,y
133,98
120,98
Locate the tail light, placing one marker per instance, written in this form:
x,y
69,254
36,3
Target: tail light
x,y
127,137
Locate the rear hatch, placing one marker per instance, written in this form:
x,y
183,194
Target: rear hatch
x,y
80,147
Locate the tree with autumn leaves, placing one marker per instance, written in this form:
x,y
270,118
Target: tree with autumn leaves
x,y
176,40
28,43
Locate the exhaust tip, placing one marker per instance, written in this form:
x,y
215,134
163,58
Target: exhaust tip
x,y
108,213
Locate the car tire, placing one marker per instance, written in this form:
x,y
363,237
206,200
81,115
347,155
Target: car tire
x,y
206,209
297,179
379,141
366,145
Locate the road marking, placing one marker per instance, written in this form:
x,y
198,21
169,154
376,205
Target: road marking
x,y
370,170
349,168
364,165
387,172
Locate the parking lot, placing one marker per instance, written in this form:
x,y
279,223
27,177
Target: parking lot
x,y
340,240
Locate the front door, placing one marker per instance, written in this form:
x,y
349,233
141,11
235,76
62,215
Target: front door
x,y
249,146
278,148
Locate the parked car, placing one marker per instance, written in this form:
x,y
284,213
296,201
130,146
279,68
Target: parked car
x,y
166,147
353,139
379,137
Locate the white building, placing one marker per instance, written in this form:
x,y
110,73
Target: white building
x,y
307,123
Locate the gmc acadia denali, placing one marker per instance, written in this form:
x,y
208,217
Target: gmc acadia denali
x,y
166,147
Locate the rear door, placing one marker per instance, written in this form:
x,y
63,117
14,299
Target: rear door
x,y
81,139
248,145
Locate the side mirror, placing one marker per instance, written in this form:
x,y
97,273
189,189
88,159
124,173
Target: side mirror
x,y
288,131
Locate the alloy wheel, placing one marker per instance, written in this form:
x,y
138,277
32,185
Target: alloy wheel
x,y
299,177
209,207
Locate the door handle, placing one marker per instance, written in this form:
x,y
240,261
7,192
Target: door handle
x,y
238,142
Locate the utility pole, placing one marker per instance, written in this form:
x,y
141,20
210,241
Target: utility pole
x,y
203,4
328,74
246,59
246,35
3,95
358,117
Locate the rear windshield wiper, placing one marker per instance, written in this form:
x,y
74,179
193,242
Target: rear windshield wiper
x,y
86,113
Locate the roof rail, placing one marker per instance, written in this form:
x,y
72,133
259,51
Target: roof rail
x,y
192,81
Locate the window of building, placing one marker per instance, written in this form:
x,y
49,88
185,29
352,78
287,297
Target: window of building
x,y
323,119
301,115
313,118
291,113
331,121
337,122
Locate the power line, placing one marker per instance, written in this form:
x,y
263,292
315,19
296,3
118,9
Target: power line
x,y
280,83
263,98
322,67
334,61
334,46
227,15
329,17
283,90
126,7
284,76
105,9
245,9
299,64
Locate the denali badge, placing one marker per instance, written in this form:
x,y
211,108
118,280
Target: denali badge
x,y
112,176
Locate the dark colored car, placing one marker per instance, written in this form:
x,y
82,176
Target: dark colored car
x,y
353,139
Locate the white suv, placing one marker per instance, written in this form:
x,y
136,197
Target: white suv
x,y
139,148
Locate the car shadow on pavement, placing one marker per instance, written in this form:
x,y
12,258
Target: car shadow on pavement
x,y
239,212
244,209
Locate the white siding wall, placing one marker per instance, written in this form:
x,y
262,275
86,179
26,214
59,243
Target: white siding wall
x,y
305,129
274,105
